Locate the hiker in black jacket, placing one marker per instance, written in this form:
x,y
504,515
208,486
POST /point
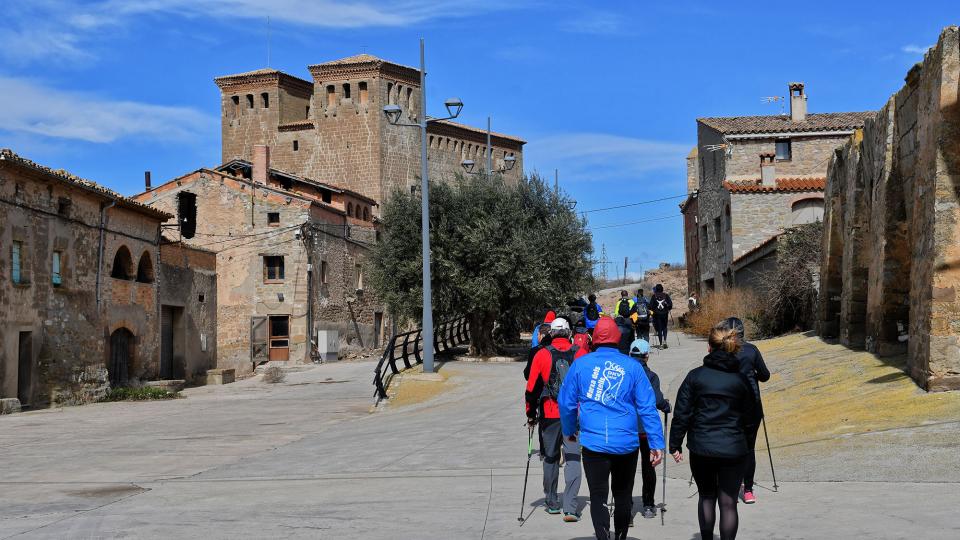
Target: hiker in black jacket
x,y
626,334
713,405
753,367
660,304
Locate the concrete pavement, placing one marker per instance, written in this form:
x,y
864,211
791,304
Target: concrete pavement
x,y
305,459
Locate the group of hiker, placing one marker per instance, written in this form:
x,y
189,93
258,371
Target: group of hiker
x,y
595,402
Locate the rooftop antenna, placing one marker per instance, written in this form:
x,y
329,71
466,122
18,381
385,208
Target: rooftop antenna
x,y
724,146
774,99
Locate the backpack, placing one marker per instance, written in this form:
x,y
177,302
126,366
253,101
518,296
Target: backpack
x,y
643,309
661,303
592,312
623,308
561,361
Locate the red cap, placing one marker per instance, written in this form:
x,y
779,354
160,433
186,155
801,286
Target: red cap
x,y
550,317
606,332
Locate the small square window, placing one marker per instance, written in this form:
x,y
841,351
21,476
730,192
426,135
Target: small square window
x,y
272,268
784,150
201,298
273,219
296,146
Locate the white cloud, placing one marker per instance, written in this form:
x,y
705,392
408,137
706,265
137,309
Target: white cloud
x,y
49,112
598,156
915,49
596,23
64,29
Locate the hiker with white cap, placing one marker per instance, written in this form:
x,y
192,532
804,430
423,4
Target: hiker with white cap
x,y
547,371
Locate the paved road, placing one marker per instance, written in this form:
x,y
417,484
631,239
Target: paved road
x,y
305,459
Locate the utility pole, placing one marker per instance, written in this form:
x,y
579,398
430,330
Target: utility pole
x,y
556,180
624,271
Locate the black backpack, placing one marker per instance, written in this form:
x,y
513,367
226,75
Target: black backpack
x,y
561,361
623,308
661,303
592,312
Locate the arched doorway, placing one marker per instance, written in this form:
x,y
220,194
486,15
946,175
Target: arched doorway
x,y
121,357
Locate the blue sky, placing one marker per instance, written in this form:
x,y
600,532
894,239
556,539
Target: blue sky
x,y
606,92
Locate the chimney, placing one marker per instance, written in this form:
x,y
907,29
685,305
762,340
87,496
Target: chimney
x,y
261,163
798,102
768,171
146,181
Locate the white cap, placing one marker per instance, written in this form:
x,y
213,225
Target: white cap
x,y
559,324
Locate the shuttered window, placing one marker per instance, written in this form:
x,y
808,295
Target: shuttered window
x,y
17,262
55,274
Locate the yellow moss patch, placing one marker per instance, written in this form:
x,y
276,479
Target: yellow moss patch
x,y
411,390
819,390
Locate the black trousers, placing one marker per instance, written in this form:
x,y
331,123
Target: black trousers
x,y
643,332
718,481
647,473
750,462
599,468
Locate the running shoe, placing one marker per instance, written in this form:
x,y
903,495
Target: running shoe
x,y
748,497
552,510
649,512
571,518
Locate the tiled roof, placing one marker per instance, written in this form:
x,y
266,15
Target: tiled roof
x,y
732,125
783,185
260,76
359,59
474,130
242,163
59,174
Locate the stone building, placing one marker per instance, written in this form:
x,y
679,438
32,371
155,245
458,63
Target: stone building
x,y
891,249
188,312
289,256
79,304
332,128
752,177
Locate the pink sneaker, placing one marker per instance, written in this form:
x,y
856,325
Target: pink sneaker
x,y
748,498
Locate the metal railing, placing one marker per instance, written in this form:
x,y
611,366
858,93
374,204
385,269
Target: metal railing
x,y
408,346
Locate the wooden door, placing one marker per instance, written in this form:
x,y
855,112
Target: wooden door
x,y
258,340
121,353
166,342
25,368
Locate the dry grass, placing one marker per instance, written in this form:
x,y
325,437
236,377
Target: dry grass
x,y
719,305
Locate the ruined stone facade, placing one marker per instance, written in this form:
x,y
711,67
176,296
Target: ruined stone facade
x,y
78,290
752,177
333,129
188,312
289,259
891,252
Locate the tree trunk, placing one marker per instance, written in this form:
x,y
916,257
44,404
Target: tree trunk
x,y
481,334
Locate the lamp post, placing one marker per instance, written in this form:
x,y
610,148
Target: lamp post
x,y
454,106
508,161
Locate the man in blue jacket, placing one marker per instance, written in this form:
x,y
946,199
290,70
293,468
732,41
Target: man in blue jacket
x,y
602,396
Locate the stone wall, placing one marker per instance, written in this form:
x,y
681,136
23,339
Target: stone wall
x,y
809,157
188,282
893,220
712,201
758,216
68,333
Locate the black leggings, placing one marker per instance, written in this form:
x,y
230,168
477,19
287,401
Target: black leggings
x,y
599,468
660,325
718,480
647,473
750,463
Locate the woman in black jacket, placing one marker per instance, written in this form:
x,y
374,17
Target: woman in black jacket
x,y
713,405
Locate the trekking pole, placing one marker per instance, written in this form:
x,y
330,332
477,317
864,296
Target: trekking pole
x,y
675,329
526,475
663,494
769,454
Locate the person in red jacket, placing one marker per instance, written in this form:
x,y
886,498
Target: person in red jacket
x,y
543,387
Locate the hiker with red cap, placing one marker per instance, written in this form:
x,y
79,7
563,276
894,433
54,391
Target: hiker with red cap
x,y
603,396
547,373
537,340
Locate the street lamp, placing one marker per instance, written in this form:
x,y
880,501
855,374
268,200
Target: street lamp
x,y
393,112
508,161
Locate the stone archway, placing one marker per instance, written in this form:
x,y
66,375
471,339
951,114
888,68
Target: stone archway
x,y
120,360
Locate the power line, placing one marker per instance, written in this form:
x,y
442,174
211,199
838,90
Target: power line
x,y
612,225
634,204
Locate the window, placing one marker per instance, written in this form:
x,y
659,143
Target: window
x,y
389,93
409,97
187,213
272,268
201,298
363,93
784,150
806,211
145,268
716,229
703,236
249,101
236,105
346,90
296,146
18,262
122,264
273,219
366,213
726,213
350,209
358,274
331,95
63,206
265,100
323,272
55,276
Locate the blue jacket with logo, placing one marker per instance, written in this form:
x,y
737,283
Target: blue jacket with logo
x,y
602,396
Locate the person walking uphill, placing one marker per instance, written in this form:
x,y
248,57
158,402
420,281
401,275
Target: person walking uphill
x,y
642,316
660,304
604,394
754,368
640,350
713,405
592,312
547,372
537,341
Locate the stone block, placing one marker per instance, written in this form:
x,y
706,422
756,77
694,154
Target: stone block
x,y
9,405
221,376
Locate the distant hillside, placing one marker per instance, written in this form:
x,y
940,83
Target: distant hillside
x,y
674,281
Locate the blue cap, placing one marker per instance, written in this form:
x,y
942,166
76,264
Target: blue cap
x,y
639,347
